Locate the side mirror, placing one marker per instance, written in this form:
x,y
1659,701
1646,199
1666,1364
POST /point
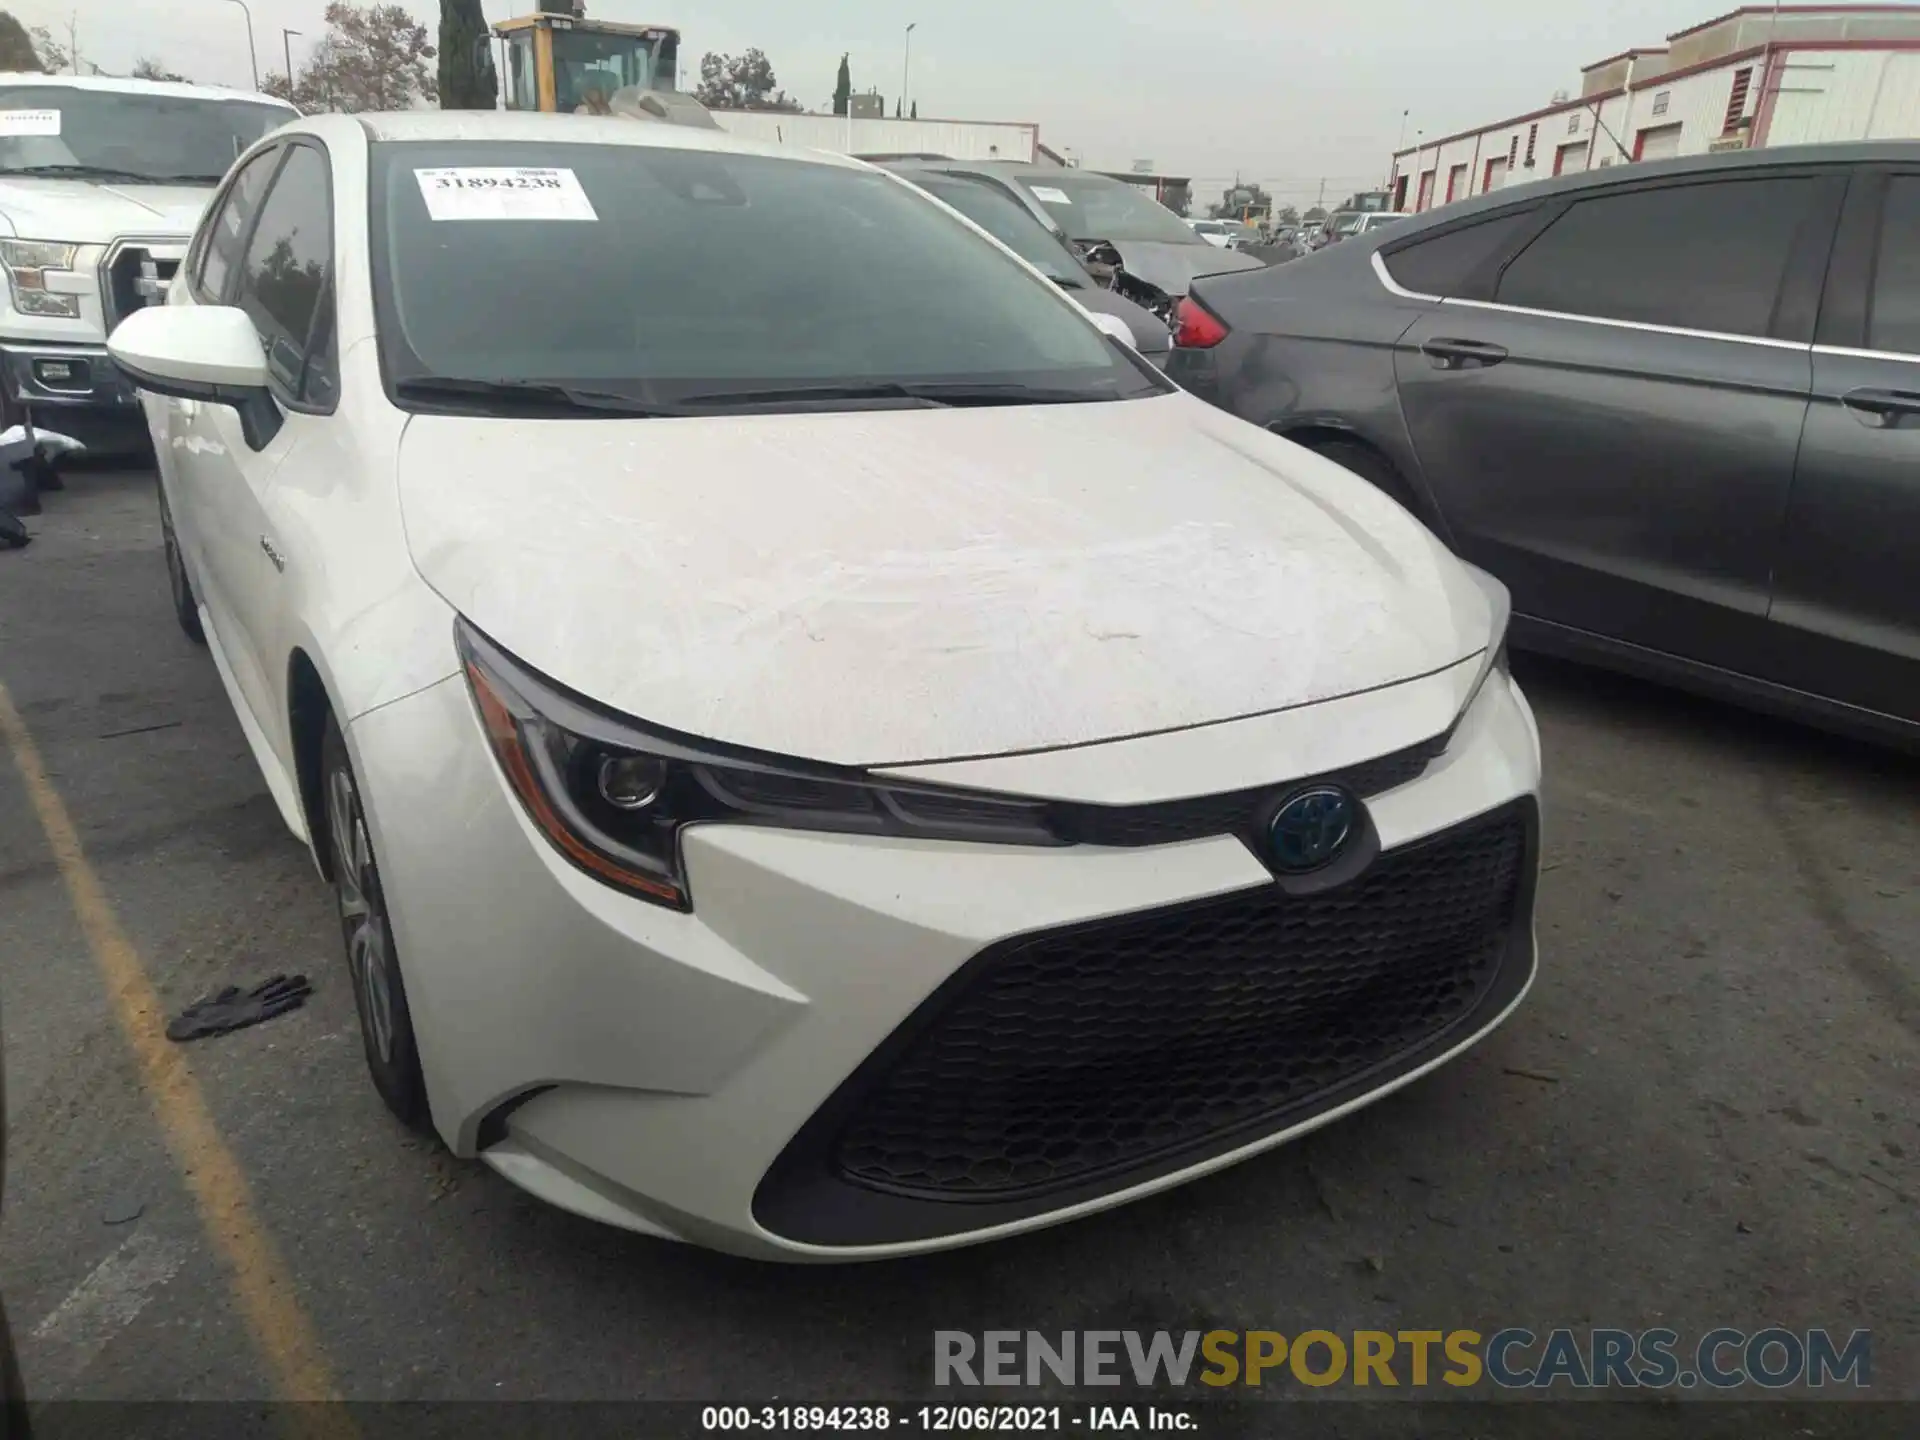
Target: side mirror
x,y
1115,327
209,353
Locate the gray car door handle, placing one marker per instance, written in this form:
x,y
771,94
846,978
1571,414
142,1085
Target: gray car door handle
x,y
1449,354
1881,408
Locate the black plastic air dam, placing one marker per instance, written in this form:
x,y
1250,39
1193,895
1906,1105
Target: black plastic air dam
x,y
1056,1068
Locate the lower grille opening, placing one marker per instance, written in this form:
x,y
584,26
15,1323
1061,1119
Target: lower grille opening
x,y
1062,1065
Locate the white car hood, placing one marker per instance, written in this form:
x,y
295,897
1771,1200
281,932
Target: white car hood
x,y
889,587
90,212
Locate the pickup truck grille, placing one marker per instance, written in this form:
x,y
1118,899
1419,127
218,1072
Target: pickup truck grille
x,y
134,275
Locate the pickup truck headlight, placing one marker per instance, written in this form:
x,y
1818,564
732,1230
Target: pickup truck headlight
x,y
28,263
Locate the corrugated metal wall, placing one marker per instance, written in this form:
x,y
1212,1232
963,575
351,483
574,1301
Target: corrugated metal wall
x,y
1828,95
958,140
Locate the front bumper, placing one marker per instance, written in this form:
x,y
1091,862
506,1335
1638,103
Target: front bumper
x,y
67,378
696,1075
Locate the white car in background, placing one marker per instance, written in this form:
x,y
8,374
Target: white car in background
x,y
812,761
101,183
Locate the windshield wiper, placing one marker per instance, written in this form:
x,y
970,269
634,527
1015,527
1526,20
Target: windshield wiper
x,y
810,394
524,395
931,394
78,172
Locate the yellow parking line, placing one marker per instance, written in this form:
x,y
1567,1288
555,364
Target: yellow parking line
x,y
260,1279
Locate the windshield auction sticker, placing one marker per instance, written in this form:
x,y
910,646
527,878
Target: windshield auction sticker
x,y
504,193
29,122
1049,195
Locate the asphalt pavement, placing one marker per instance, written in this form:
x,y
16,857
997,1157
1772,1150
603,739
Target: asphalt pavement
x,y
1704,1115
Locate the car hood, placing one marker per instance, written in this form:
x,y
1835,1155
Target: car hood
x,y
888,587
90,212
1173,268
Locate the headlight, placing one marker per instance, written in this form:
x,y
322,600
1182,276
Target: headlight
x,y
27,263
613,796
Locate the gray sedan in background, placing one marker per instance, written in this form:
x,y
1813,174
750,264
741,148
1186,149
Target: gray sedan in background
x,y
1674,406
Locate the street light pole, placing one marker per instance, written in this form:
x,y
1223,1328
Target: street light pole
x,y
906,63
286,43
253,55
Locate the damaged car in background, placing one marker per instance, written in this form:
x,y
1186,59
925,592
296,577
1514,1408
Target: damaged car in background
x,y
1130,242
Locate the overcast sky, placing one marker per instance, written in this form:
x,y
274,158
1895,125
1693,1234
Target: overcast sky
x,y
1285,92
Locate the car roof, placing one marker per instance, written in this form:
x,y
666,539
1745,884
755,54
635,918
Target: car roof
x,y
9,79
1727,162
524,125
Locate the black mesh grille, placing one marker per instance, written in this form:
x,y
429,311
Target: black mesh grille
x,y
1073,1054
1133,826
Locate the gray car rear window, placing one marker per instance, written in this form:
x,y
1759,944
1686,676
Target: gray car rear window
x,y
1894,323
1696,256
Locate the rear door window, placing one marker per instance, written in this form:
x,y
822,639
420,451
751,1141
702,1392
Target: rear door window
x,y
1893,319
1696,257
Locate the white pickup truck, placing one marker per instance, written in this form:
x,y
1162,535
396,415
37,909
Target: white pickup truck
x,y
102,182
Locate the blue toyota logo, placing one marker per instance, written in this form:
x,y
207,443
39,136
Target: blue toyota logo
x,y
1312,829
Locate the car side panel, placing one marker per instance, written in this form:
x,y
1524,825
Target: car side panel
x,y
1846,597
1623,482
1310,349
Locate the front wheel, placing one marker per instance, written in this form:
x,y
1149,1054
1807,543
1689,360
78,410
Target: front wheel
x,y
386,1024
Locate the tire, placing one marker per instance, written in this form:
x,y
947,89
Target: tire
x,y
380,997
185,608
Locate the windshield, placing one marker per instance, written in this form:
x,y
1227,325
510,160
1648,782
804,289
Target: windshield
x,y
1094,207
590,65
667,274
1009,222
129,136
1374,222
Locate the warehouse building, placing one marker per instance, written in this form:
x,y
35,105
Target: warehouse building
x,y
1761,75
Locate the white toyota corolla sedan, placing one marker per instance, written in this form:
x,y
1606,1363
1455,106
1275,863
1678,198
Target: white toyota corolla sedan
x,y
820,750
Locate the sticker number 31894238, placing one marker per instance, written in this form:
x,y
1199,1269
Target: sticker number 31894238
x,y
503,193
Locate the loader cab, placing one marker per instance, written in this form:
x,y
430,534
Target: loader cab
x,y
557,63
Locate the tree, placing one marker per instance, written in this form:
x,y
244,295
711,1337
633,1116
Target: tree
x,y
467,77
743,82
843,89
372,58
1314,216
54,58
16,46
1287,216
147,69
916,111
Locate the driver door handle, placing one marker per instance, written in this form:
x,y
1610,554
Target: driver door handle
x,y
1450,354
1881,408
